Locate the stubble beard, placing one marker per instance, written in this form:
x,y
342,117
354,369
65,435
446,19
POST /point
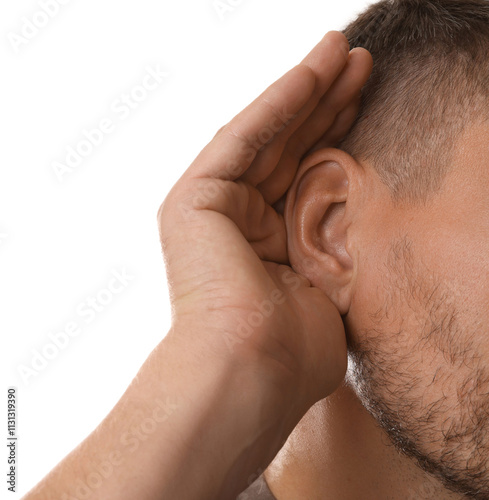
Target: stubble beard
x,y
423,378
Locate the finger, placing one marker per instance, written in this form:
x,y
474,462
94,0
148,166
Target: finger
x,y
340,128
261,226
344,90
327,61
235,146
322,124
276,186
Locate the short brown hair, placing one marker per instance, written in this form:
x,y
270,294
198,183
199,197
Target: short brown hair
x,y
430,79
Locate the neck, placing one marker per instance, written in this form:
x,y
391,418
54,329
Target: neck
x,y
337,451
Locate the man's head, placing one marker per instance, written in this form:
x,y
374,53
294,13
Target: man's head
x,y
396,222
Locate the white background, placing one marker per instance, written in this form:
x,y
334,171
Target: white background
x,y
60,240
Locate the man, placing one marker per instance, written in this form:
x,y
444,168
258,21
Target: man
x,y
385,239
404,255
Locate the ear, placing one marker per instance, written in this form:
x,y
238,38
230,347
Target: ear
x,y
319,215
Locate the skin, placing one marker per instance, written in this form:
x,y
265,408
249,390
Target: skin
x,y
252,344
259,298
411,281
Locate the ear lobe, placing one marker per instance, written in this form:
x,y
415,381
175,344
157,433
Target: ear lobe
x,y
318,216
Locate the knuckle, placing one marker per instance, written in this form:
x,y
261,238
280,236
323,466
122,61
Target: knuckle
x,y
219,132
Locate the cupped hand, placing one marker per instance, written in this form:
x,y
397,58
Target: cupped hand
x,y
234,296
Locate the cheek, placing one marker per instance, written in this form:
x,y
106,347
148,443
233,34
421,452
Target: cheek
x,y
459,258
420,319
373,302
400,314
373,298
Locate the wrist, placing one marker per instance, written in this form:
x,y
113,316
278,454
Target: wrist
x,y
231,414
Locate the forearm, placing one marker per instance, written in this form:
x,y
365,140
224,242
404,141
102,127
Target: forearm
x,y
185,428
